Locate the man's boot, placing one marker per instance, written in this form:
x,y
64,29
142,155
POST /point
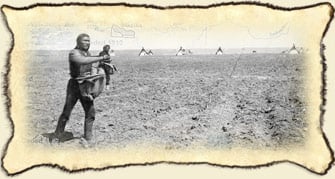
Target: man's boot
x,y
88,134
60,134
60,127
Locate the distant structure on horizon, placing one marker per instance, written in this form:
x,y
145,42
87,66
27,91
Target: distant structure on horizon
x,y
143,52
293,50
219,51
183,51
150,53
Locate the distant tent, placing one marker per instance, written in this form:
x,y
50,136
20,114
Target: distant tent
x,y
293,50
143,52
112,53
181,51
219,51
150,53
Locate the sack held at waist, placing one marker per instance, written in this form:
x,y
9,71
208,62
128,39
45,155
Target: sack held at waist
x,y
92,84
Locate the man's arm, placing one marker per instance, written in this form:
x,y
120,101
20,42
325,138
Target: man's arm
x,y
76,57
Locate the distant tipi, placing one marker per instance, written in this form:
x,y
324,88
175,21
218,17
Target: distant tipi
x,y
150,53
293,50
219,51
181,51
143,52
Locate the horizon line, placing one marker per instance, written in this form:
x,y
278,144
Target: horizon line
x,y
172,48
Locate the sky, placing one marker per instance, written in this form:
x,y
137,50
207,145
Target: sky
x,y
135,37
153,29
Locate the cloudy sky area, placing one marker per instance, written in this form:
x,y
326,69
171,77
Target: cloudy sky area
x,y
134,28
135,36
164,32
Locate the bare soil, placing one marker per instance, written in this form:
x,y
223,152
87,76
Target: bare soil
x,y
251,100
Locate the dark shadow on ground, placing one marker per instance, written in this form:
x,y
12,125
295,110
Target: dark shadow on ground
x,y
66,136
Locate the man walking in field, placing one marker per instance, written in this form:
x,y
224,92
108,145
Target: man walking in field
x,y
80,62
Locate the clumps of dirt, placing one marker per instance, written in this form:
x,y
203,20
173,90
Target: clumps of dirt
x,y
183,102
270,116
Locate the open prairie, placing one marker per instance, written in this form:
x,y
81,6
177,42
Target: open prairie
x,y
251,100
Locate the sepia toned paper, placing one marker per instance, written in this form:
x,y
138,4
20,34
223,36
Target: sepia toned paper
x,y
181,23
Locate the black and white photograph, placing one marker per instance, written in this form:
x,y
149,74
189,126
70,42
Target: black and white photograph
x,y
181,86
169,84
174,98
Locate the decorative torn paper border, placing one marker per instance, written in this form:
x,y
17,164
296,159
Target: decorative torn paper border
x,y
317,155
